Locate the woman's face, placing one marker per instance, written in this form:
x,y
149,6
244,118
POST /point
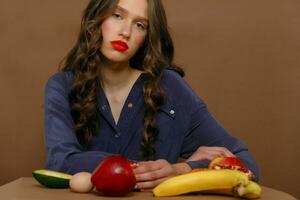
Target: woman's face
x,y
125,30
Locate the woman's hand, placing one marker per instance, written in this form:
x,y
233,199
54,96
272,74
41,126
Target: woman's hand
x,y
209,153
151,173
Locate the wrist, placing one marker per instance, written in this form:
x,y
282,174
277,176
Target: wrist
x,y
182,168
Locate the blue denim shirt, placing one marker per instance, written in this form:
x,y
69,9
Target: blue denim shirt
x,y
184,125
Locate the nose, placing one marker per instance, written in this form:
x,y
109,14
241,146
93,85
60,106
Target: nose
x,y
126,30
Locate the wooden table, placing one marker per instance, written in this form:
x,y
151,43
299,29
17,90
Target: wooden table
x,y
30,189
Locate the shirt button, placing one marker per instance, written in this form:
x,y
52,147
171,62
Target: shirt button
x,y
117,135
172,112
103,107
130,105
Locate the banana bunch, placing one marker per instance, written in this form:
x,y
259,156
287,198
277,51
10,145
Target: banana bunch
x,y
223,181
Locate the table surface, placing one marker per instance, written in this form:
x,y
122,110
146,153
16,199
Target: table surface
x,y
29,189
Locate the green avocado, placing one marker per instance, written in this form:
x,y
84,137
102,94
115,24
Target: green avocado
x,y
52,179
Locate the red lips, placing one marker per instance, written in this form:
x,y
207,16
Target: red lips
x,y
119,45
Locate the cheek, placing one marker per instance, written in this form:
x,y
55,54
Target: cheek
x,y
139,39
107,29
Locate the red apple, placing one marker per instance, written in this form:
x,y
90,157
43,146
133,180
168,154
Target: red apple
x,y
114,176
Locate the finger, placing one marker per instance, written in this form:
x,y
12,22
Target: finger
x,y
145,162
207,148
217,151
206,154
163,169
223,151
195,157
227,152
152,175
133,164
146,190
148,166
146,185
144,167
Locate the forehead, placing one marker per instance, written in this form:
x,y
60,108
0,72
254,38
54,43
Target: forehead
x,y
135,7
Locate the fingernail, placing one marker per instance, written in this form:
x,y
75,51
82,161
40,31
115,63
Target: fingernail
x,y
134,164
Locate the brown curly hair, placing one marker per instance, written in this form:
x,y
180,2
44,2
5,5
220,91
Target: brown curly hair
x,y
83,61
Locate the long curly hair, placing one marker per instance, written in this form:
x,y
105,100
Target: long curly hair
x,y
84,61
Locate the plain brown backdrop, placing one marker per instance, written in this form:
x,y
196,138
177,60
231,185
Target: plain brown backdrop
x,y
241,57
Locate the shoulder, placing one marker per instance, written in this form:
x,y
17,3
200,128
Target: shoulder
x,y
62,80
178,91
173,81
171,75
57,87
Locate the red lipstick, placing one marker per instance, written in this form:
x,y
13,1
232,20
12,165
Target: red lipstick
x,y
119,45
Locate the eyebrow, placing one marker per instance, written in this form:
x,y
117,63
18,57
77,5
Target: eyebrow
x,y
126,11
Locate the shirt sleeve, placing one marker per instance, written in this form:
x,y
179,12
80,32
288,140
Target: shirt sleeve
x,y
64,153
206,131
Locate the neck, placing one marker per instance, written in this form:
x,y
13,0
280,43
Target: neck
x,y
115,76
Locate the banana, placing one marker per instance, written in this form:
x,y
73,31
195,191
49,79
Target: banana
x,y
251,191
205,180
223,181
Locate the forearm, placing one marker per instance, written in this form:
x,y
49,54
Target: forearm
x,y
76,162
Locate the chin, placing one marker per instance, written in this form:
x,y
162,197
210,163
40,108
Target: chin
x,y
117,57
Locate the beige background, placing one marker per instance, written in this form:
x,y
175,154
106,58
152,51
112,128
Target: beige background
x,y
242,58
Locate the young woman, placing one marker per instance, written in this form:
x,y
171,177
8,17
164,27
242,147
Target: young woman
x,y
119,93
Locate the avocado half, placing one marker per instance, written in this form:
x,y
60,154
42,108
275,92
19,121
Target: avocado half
x,y
52,179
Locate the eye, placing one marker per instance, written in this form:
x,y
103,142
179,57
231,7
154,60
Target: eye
x,y
117,16
141,25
